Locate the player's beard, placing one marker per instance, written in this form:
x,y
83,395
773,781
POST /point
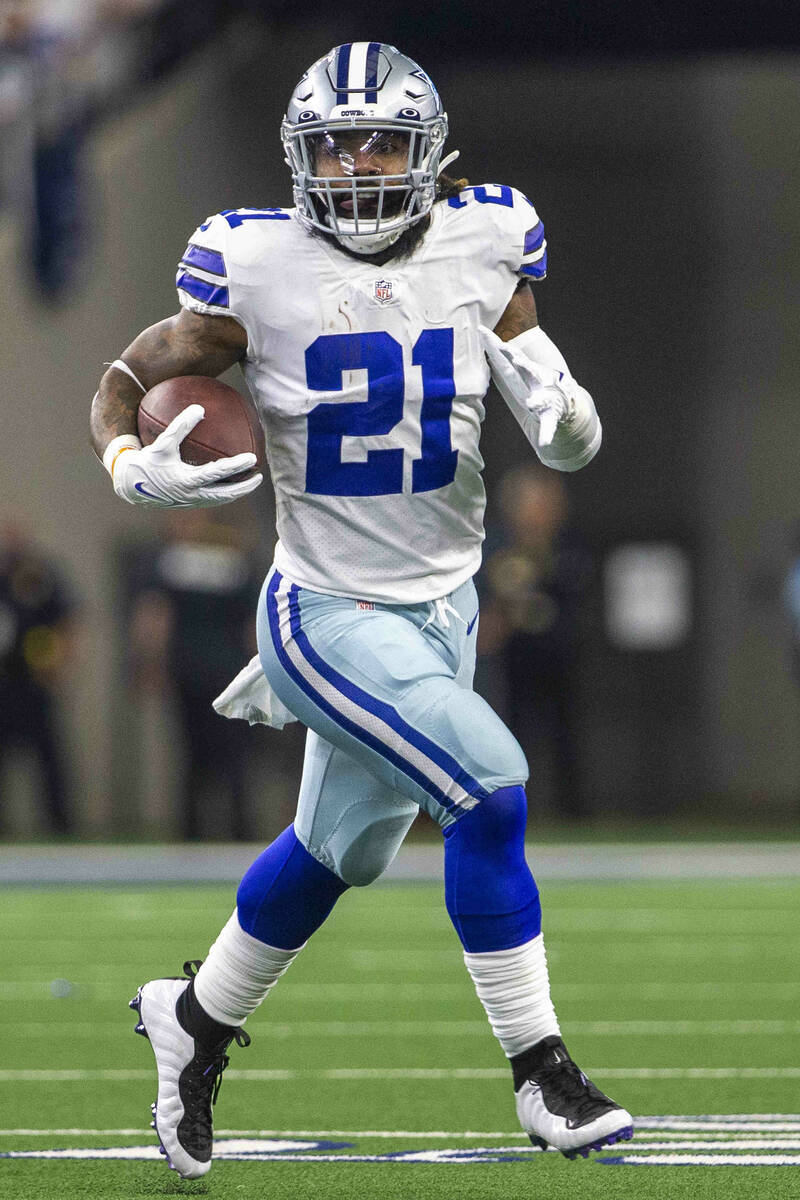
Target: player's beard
x,y
404,247
410,238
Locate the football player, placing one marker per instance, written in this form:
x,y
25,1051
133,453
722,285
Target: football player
x,y
367,320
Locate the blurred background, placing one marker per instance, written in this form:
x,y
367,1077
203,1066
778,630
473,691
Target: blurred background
x,y
647,655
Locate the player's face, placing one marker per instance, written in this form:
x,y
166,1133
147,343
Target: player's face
x,y
348,155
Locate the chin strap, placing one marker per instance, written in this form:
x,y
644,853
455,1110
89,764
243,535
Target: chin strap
x,y
370,243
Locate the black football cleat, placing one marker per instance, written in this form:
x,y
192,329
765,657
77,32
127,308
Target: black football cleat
x,y
189,1076
558,1106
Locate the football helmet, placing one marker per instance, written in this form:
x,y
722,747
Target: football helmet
x,y
363,134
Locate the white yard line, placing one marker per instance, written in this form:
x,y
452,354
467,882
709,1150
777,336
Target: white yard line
x,y
653,989
437,1029
759,1123
708,1160
258,1075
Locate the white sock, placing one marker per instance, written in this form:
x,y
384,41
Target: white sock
x,y
514,988
238,973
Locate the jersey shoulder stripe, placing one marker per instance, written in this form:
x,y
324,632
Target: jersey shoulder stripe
x,y
226,253
205,258
213,294
507,217
534,238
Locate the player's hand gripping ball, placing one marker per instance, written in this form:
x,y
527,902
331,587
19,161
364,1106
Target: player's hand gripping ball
x,y
202,446
230,424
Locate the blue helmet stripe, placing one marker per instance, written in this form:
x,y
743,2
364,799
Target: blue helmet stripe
x,y
342,73
371,78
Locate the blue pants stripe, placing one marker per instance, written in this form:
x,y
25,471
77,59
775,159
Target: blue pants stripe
x,y
364,700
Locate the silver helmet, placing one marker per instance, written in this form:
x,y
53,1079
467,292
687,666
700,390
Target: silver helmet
x,y
364,99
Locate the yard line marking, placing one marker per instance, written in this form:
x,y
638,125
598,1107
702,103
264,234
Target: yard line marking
x,y
721,1144
697,1072
705,1160
653,989
387,1134
275,1074
73,1132
452,1028
687,1143
439,1029
738,1122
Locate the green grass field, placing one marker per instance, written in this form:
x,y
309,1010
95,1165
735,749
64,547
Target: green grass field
x,y
681,999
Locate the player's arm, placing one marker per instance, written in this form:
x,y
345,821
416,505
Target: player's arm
x,y
186,344
556,414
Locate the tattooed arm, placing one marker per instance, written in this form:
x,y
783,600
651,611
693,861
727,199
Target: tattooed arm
x,y
186,344
520,313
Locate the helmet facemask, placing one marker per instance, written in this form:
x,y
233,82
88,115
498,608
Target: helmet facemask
x,y
341,182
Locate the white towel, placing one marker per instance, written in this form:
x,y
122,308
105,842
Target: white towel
x,y
250,697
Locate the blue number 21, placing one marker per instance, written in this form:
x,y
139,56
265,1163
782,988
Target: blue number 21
x,y
381,474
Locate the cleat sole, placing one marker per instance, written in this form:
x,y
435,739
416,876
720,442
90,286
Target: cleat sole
x,y
618,1135
538,1141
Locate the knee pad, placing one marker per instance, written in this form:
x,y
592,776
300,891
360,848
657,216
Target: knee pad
x,y
490,894
286,894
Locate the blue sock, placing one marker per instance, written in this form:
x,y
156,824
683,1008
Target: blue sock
x,y
286,894
489,891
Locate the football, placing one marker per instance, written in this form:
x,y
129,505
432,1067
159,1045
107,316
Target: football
x,y
230,425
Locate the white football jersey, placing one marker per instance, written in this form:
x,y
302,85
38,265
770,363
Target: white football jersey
x,y
370,384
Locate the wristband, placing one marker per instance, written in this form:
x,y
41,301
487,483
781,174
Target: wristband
x,y
126,441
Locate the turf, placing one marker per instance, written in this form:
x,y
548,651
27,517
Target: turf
x,y
664,977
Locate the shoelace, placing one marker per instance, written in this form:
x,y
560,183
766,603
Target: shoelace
x,y
217,1062
571,1085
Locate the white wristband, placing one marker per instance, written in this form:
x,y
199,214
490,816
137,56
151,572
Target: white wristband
x,y
126,441
542,349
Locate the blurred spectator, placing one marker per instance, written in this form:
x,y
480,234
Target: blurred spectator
x,y
192,629
791,603
63,65
535,574
37,644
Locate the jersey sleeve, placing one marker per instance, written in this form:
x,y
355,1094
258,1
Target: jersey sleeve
x,y
517,243
202,277
526,247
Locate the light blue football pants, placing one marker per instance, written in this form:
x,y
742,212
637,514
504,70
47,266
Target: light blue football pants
x,y
394,725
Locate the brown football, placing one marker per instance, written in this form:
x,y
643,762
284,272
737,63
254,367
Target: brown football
x,y
230,425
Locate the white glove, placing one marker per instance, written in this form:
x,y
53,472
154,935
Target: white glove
x,y
157,476
549,395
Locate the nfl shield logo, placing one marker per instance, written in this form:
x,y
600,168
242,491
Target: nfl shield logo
x,y
383,290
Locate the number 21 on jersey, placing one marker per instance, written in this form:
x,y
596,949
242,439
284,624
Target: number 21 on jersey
x,y
381,356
